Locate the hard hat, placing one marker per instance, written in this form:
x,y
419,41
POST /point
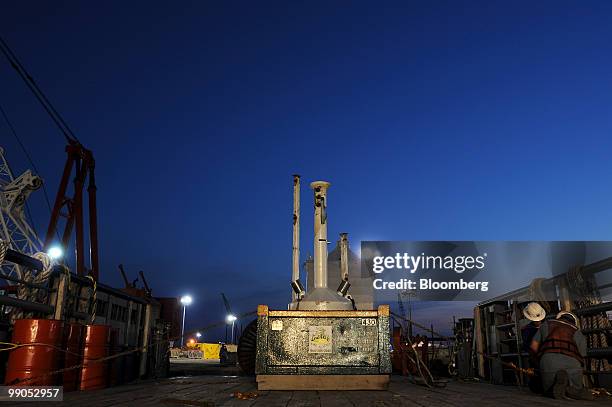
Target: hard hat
x,y
571,314
534,312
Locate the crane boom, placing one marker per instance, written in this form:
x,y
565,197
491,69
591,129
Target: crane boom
x,y
227,304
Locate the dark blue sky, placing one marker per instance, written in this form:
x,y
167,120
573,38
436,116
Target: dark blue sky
x,y
433,120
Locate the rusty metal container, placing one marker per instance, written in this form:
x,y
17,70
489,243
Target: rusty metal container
x,y
73,336
308,347
37,360
94,374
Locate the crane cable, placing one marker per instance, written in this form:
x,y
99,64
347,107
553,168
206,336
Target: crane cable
x,y
38,93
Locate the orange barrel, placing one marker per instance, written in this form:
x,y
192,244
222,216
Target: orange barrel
x,y
95,346
73,335
37,360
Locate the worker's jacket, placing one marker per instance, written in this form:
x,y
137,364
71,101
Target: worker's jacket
x,y
560,339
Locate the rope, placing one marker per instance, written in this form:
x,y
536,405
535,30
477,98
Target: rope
x,y
94,299
588,294
3,249
38,93
47,266
27,293
11,346
4,246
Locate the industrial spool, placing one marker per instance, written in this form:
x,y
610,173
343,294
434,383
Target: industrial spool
x,y
247,348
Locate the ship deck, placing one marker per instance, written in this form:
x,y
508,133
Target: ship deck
x,y
209,391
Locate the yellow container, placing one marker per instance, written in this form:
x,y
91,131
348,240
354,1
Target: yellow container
x,y
210,350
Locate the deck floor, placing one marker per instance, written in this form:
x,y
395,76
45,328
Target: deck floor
x,y
209,391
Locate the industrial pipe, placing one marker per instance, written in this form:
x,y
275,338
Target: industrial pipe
x,y
24,282
593,309
599,353
25,305
144,282
125,279
23,260
320,229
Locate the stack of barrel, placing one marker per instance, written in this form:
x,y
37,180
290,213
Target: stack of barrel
x,y
53,352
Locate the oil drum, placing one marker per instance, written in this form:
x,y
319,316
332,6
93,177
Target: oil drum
x,y
95,346
36,360
73,335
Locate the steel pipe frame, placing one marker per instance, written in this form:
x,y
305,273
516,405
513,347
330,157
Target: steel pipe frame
x,y
25,305
23,260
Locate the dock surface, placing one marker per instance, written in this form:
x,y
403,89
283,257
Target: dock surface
x,y
213,391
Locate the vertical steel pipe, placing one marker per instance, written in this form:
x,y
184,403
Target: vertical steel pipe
x,y
295,275
320,233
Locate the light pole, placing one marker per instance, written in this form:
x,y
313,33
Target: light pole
x,y
232,318
185,300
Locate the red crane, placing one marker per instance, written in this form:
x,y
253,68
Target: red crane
x,y
71,207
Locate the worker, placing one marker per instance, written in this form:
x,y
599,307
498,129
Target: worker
x,y
223,354
561,348
534,315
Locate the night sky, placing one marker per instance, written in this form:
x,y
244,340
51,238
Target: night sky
x,y
432,120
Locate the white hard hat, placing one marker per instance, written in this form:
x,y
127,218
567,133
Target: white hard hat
x,y
534,312
571,314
